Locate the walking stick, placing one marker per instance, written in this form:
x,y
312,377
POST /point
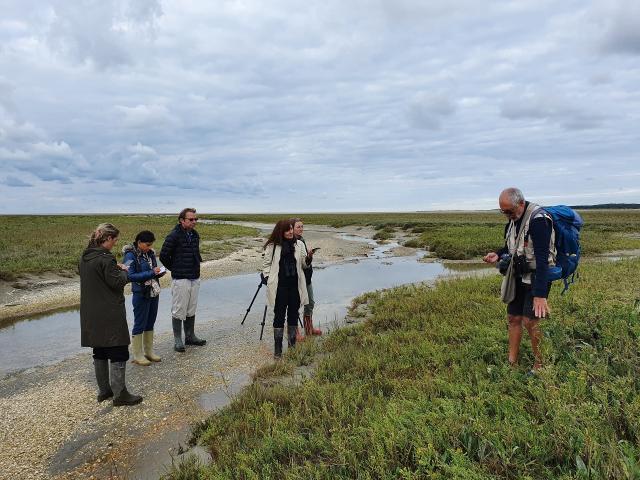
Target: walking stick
x,y
251,304
264,316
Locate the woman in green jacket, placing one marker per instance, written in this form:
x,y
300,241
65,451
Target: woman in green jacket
x,y
103,318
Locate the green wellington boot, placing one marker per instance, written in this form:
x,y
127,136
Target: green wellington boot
x,y
136,348
147,343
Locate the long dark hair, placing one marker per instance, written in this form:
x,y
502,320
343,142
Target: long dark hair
x,y
277,235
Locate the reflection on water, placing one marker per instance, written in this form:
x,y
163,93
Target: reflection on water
x,y
222,303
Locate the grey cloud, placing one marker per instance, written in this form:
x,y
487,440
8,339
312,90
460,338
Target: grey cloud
x,y
6,93
101,31
622,28
428,111
143,11
144,116
49,161
13,181
550,108
601,79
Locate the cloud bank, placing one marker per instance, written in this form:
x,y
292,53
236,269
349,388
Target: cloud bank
x,y
149,105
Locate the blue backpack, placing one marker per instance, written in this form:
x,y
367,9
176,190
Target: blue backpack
x,y
567,224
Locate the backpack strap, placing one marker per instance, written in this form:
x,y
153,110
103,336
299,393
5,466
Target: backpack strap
x,y
545,214
525,219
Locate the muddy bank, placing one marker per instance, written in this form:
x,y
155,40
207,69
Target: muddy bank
x,y
37,294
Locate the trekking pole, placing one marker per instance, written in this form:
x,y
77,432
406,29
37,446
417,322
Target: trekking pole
x,y
264,316
251,304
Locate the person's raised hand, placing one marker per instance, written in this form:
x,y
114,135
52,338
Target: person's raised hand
x,y
491,257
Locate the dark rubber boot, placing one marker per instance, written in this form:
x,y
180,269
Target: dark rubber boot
x,y
121,397
278,333
189,333
102,377
291,335
178,346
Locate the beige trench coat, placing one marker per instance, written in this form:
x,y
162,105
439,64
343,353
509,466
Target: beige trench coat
x,y
270,268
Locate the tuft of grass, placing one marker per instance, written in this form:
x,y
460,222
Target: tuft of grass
x,y
422,389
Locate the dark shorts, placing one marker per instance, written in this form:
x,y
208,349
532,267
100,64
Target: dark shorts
x,y
115,354
522,305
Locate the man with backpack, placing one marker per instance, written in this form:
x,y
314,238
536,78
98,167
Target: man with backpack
x,y
528,254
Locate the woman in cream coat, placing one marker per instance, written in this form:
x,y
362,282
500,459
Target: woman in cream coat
x,y
286,285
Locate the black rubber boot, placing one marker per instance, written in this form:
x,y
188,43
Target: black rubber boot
x,y
178,346
121,397
102,377
278,333
291,335
189,333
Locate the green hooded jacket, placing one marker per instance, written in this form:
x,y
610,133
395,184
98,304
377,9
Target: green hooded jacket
x,y
103,318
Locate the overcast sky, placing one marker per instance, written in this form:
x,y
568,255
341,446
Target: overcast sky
x,y
254,106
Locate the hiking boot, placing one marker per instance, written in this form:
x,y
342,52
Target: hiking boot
x,y
121,396
189,334
147,343
136,349
102,377
178,346
278,333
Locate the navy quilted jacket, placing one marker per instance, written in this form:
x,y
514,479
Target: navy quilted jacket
x,y
181,253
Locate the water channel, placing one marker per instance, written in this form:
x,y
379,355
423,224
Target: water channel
x,y
52,338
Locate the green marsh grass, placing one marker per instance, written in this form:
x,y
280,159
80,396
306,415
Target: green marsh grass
x,y
466,235
54,243
422,389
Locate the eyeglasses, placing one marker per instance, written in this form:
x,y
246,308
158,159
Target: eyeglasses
x,y
194,219
508,211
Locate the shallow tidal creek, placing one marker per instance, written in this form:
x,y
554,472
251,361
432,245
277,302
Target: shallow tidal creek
x,y
48,339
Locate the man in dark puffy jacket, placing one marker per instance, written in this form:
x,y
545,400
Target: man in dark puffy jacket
x,y
181,255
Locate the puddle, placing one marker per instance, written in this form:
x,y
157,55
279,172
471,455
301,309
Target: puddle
x,y
155,458
221,397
